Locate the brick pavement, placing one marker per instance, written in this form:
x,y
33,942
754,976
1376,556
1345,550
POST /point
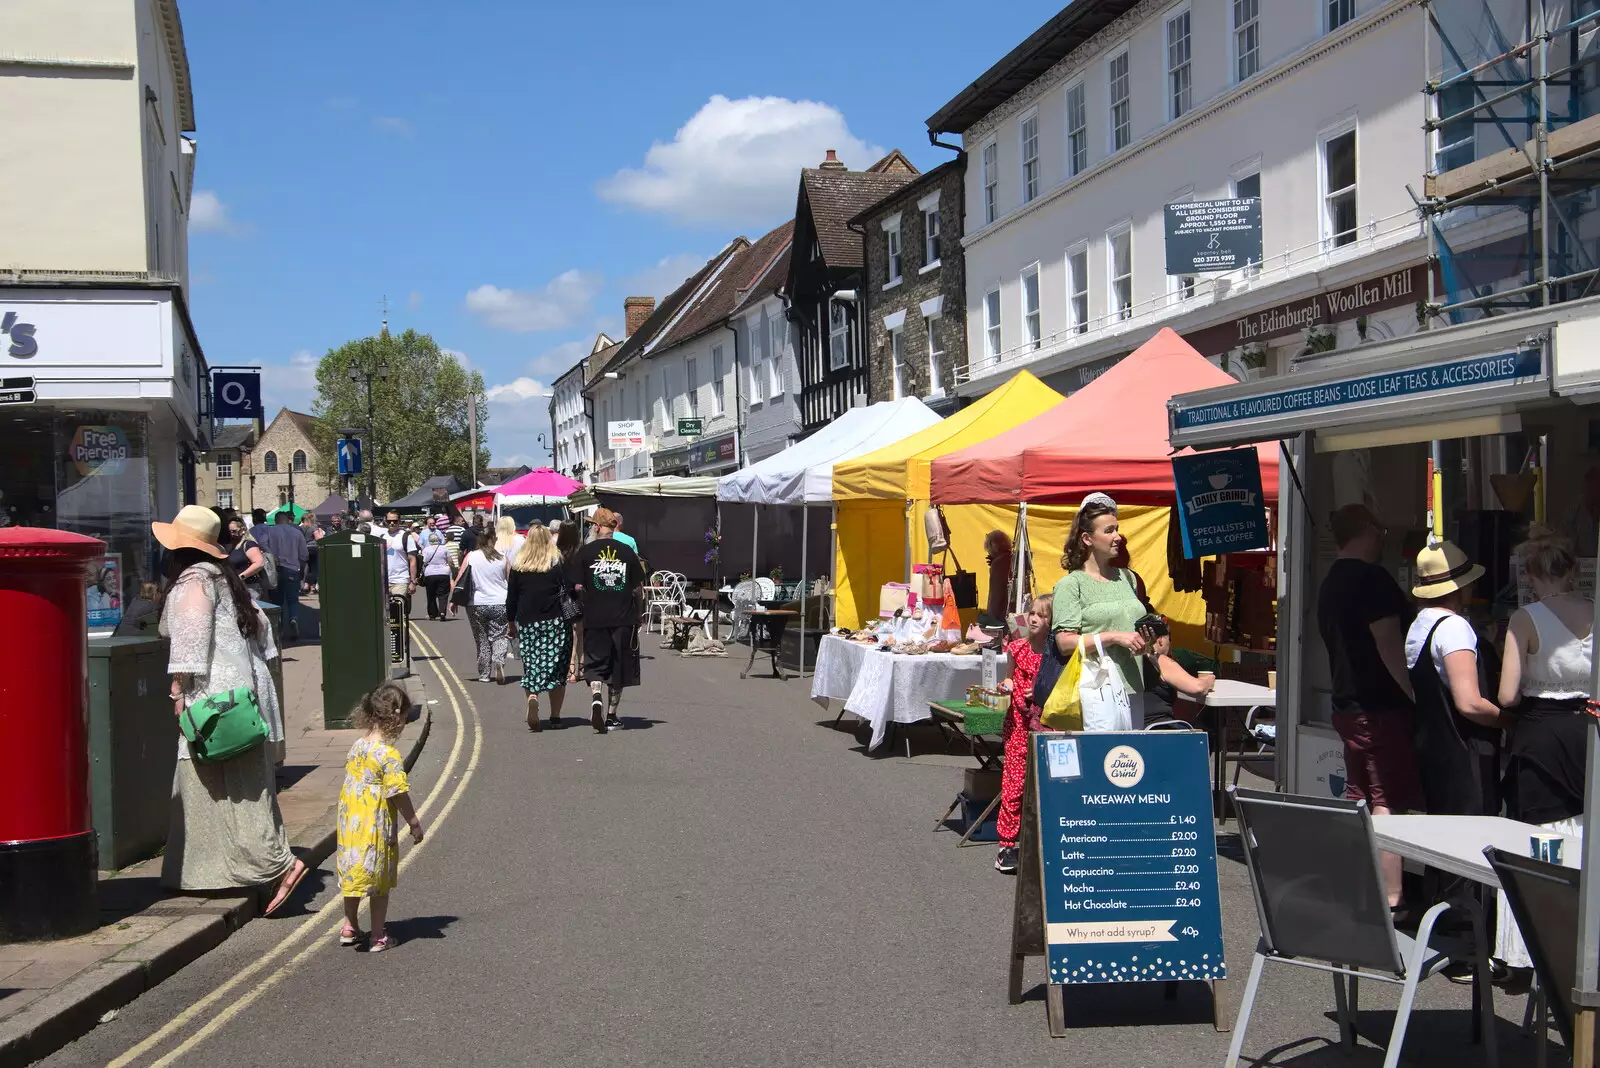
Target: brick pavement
x,y
52,991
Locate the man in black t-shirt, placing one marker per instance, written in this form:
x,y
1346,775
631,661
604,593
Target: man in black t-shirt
x,y
1362,615
609,578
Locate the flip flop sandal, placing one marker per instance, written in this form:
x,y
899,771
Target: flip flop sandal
x,y
380,944
350,936
285,892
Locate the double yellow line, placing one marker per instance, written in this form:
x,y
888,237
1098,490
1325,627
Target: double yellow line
x,y
318,924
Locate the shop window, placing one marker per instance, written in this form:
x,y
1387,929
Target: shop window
x,y
300,466
269,463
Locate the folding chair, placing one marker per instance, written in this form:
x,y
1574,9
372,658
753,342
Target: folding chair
x,y
1544,901
1322,904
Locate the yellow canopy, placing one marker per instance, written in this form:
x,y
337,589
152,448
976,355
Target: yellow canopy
x,y
900,471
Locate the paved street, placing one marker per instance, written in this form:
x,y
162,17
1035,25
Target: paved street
x,y
731,882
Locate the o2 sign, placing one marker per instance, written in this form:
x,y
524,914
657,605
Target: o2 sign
x,y
236,394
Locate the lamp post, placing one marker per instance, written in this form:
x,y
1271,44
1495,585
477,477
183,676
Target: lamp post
x,y
359,373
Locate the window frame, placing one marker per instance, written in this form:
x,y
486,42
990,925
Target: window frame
x,y
756,330
777,343
1235,29
989,179
993,319
1116,313
1029,185
299,462
1112,101
1077,142
1325,194
1077,321
1179,100
932,232
1327,8
1032,321
935,353
719,388
838,332
894,246
224,466
269,462
691,372
897,354
225,498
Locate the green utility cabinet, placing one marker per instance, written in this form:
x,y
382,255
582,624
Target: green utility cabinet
x,y
352,593
133,747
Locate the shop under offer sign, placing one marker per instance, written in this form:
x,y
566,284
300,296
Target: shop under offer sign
x,y
1129,858
1220,506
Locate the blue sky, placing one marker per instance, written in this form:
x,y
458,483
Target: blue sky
x,y
507,172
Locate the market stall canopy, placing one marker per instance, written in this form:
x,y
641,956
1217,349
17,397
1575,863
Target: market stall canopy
x,y
293,509
423,496
900,471
803,473
541,482
481,498
334,504
666,486
1111,435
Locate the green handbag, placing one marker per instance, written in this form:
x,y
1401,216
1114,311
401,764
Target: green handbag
x,y
220,726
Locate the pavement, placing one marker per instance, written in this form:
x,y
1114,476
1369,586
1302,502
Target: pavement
x,y
730,881
51,992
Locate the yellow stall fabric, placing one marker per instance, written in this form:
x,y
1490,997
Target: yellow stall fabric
x,y
1048,524
881,496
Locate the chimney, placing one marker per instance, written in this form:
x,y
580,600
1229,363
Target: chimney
x,y
831,162
635,310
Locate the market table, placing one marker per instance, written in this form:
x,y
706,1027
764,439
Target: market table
x,y
885,688
975,724
766,636
1226,694
1455,843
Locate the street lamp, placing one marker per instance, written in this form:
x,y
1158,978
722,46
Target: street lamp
x,y
359,373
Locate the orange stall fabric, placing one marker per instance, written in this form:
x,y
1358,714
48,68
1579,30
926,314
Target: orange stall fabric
x,y
1111,435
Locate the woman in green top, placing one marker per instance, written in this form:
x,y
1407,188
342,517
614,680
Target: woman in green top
x,y
1098,597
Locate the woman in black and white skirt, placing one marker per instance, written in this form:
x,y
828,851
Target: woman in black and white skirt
x,y
542,633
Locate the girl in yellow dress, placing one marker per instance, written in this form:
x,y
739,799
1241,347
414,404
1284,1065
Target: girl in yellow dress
x,y
374,792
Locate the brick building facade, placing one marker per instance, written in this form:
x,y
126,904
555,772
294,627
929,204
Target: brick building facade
x,y
244,471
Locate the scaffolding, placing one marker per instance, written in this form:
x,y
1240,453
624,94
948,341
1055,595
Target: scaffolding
x,y
1512,155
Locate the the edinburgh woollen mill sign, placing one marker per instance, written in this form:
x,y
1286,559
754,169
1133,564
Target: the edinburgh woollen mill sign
x,y
1393,290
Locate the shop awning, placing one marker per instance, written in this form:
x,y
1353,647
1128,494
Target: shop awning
x,y
803,473
900,471
646,487
1459,381
1111,435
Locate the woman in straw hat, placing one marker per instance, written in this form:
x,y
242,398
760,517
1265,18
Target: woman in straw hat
x,y
1458,728
225,829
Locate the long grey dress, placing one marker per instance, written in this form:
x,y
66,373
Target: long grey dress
x,y
226,830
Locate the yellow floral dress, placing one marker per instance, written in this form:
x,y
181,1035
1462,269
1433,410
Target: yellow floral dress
x,y
368,858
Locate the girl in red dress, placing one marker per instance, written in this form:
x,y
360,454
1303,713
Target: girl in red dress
x,y
1023,717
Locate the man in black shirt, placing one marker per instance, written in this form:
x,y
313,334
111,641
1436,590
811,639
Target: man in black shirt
x,y
610,578
1362,616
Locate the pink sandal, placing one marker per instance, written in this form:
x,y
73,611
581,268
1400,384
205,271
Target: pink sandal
x,y
380,944
351,936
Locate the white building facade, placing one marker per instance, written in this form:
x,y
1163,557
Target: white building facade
x,y
569,418
94,272
1310,105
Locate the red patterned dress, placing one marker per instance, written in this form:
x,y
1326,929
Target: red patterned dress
x,y
1022,718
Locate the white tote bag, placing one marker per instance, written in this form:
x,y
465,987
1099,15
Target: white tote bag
x,y
1106,706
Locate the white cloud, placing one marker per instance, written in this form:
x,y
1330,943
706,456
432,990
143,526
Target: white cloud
x,y
519,411
551,363
393,124
737,162
564,302
209,215
664,277
459,356
289,385
523,388
413,300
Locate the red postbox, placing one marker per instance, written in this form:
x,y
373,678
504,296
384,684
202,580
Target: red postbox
x,y
47,844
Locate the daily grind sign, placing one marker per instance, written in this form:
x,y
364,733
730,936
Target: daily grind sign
x,y
1121,884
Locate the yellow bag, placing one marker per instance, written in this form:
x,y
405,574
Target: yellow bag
x,y
1063,710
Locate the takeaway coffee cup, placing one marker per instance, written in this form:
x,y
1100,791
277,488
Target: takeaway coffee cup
x,y
1545,847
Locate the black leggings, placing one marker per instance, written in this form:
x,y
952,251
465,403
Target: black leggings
x,y
438,587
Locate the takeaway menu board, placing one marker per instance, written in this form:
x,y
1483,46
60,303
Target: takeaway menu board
x,y
1129,857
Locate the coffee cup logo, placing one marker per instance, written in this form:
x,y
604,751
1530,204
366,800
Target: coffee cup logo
x,y
1219,481
1124,767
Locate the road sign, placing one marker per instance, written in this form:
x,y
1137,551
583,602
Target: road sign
x,y
691,428
17,390
1213,235
349,456
626,433
1128,857
236,394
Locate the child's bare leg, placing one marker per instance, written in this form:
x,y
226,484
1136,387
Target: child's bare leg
x,y
379,905
557,697
352,910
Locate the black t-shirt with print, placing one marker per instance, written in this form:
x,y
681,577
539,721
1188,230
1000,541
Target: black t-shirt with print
x,y
610,576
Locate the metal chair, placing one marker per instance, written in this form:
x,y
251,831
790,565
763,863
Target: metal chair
x,y
1266,752
746,597
664,596
1322,904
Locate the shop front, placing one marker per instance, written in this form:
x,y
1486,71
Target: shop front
x,y
671,461
713,456
1498,408
113,427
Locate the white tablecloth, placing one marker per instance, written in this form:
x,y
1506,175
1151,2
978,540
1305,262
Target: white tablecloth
x,y
884,688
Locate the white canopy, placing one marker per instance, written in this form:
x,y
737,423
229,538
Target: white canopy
x,y
803,472
661,486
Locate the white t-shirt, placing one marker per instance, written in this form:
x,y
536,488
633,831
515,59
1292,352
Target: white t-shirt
x,y
489,578
1454,634
397,548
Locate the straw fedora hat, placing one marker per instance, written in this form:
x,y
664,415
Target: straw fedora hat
x,y
1443,569
193,527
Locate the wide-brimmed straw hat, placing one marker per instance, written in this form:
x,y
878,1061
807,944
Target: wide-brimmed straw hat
x,y
193,527
1443,569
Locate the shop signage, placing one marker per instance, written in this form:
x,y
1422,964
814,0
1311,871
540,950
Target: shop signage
x,y
671,461
691,428
705,455
1129,857
626,433
236,394
23,345
1220,506
17,390
1413,381
99,450
1213,235
1392,290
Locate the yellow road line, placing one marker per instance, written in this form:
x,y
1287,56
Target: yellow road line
x,y
336,904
